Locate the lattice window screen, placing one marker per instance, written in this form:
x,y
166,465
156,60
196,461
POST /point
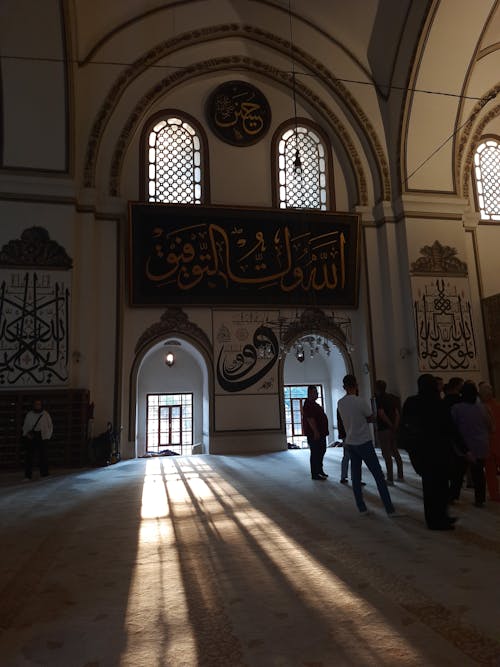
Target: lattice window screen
x,y
174,163
304,187
487,173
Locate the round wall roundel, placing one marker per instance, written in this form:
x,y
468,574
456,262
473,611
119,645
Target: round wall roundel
x,y
238,113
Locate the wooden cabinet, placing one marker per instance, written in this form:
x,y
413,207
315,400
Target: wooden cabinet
x,y
69,409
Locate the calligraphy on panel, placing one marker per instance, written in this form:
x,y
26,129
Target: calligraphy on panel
x,y
222,256
445,330
34,327
246,352
443,313
238,113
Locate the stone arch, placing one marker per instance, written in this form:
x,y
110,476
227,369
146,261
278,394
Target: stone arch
x,y
234,30
314,321
173,323
225,63
470,138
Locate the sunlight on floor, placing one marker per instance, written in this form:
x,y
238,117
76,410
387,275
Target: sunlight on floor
x,y
190,511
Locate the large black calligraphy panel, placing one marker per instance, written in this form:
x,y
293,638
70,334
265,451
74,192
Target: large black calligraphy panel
x,y
34,327
223,256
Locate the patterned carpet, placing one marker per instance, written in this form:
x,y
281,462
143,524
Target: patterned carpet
x,y
240,561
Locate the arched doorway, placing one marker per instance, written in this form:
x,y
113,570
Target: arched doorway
x,y
170,402
312,359
172,408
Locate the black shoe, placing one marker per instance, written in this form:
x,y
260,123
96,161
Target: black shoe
x,y
344,481
323,474
444,526
320,477
363,483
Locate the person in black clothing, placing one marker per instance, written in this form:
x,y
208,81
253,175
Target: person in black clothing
x,y
458,462
315,428
427,417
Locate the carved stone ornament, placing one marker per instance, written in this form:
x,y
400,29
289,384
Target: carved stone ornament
x,y
174,321
440,260
35,249
313,321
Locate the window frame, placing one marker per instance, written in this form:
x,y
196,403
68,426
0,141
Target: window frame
x,y
329,176
482,140
172,446
149,124
291,399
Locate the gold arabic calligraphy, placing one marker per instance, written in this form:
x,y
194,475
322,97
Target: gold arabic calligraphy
x,y
232,257
230,111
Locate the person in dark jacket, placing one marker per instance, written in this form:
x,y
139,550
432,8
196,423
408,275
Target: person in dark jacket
x,y
315,428
458,460
428,418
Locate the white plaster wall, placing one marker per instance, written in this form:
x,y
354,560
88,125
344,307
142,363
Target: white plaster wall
x,y
34,86
92,246
441,69
488,243
154,377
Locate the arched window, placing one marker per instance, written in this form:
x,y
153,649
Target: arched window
x,y
487,178
303,166
174,165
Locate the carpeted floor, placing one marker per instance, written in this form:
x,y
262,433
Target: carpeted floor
x,y
240,561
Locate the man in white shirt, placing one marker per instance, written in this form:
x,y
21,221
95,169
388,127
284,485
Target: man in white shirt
x,y
356,415
37,431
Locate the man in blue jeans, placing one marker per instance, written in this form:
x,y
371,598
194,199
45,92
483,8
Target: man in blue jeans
x,y
356,415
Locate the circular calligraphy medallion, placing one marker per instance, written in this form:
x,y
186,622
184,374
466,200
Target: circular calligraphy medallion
x,y
238,113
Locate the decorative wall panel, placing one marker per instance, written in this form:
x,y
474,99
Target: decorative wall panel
x,y
34,327
215,255
443,314
246,352
35,287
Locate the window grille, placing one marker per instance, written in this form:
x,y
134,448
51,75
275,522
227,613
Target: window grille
x,y
174,163
169,422
487,174
302,184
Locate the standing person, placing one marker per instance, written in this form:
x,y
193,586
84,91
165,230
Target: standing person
x,y
474,424
458,460
426,431
387,426
37,431
344,464
315,427
493,458
356,415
